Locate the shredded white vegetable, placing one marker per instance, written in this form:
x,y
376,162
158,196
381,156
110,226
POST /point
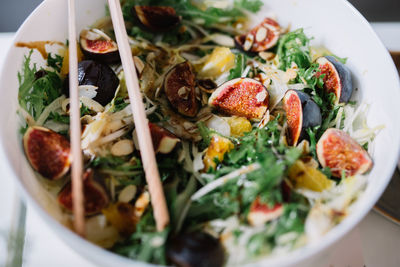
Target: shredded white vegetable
x,y
56,104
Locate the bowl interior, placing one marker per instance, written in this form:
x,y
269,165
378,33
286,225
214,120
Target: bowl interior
x,y
349,36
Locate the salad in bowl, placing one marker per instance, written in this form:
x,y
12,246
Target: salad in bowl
x,y
262,144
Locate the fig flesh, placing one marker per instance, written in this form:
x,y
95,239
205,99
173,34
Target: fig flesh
x,y
261,213
243,97
99,75
342,154
95,195
337,78
179,87
301,113
260,38
157,18
96,45
48,152
195,249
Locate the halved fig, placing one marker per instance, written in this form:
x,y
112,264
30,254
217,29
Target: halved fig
x,y
97,45
195,249
260,213
243,97
179,86
337,78
301,113
260,38
47,151
157,18
99,75
342,154
163,140
95,195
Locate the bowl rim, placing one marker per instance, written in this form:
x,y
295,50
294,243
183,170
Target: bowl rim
x,y
296,256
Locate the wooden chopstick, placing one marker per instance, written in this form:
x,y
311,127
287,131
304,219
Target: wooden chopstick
x,y
75,124
158,202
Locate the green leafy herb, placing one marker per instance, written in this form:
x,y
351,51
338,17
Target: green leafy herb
x,y
36,93
119,104
293,47
55,62
189,11
146,244
250,5
261,146
57,117
240,65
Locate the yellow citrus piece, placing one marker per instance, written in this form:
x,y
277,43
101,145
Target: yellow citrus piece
x,y
216,150
239,125
303,176
221,60
65,63
121,216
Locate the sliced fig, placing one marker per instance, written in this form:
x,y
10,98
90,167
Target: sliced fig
x,y
163,140
301,113
337,78
157,18
260,213
179,86
97,45
341,153
47,151
99,75
243,97
195,249
95,195
260,38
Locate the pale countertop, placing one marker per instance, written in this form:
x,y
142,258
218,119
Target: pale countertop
x,y
375,242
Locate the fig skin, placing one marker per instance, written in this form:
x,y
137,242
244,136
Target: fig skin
x,y
337,78
105,51
97,74
270,30
338,151
243,97
195,249
157,18
301,112
95,195
179,87
48,152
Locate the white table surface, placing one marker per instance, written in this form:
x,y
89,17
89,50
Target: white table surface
x,y
375,242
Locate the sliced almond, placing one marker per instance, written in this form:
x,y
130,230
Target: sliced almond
x,y
249,42
266,55
122,148
127,194
138,64
261,34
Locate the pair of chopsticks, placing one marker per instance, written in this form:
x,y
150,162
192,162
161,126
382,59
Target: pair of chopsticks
x,y
159,205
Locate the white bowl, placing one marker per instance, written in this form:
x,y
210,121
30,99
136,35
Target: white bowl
x,y
334,24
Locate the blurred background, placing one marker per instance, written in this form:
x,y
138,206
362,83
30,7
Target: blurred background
x,y
13,12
